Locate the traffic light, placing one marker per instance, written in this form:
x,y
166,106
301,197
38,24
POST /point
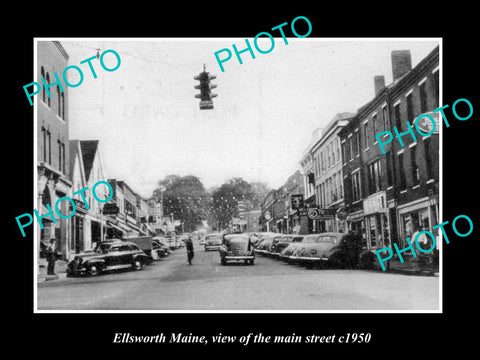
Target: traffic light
x,y
205,87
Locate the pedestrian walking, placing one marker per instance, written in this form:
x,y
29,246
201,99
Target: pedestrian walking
x,y
51,256
190,252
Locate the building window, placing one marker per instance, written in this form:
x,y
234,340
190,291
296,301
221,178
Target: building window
x,y
322,165
385,120
49,143
409,107
44,133
340,185
356,193
59,155
48,83
423,97
365,132
328,156
42,72
348,150
344,154
62,96
332,148
63,157
374,124
351,146
337,147
401,169
357,143
436,86
373,174
389,169
428,157
59,101
415,170
398,121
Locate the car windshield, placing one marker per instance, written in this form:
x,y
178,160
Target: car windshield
x,y
310,239
328,239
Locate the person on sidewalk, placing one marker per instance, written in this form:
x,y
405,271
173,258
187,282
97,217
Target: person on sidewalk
x,y
51,256
189,247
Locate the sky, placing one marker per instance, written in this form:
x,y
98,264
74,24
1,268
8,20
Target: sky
x,y
148,120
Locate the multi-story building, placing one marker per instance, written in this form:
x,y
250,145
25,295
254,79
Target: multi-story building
x,y
88,226
53,178
390,196
327,167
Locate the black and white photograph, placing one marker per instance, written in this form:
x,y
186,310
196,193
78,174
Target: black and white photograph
x,y
264,182
220,179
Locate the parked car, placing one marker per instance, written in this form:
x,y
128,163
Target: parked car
x,y
160,249
278,247
237,247
108,256
213,241
275,240
332,248
264,244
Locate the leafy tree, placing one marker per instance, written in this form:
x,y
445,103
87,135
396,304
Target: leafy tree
x,y
184,198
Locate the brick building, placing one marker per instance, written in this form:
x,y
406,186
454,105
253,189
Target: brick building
x,y
53,177
390,196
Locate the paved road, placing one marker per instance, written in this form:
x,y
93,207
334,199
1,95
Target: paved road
x,y
172,284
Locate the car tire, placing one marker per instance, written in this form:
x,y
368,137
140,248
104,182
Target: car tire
x,y
137,264
93,270
252,262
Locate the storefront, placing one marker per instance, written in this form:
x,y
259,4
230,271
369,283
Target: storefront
x,y
377,224
417,216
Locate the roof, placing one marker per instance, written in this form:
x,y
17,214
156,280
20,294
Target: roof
x,y
89,148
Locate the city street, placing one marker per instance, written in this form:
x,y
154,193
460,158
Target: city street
x,y
172,284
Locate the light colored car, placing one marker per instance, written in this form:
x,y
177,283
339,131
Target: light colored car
x,y
213,242
317,248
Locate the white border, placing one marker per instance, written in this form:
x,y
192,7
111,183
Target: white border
x,y
440,278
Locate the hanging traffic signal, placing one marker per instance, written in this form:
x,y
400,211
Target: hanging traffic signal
x,y
205,88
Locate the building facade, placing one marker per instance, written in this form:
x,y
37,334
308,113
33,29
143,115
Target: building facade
x,y
328,174
389,196
53,178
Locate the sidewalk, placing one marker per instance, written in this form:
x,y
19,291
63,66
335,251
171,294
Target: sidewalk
x,y
60,270
426,266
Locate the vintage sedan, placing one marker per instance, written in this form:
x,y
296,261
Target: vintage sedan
x,y
318,248
108,256
282,244
264,244
213,241
237,247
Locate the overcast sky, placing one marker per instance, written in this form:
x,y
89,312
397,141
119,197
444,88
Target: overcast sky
x,y
149,123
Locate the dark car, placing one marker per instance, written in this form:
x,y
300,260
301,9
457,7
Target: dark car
x,y
160,249
265,243
108,256
283,242
213,242
237,247
334,248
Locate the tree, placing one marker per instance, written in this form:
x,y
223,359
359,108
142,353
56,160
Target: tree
x,y
226,198
184,198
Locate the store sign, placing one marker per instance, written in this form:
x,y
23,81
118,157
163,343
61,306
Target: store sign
x,y
320,214
375,204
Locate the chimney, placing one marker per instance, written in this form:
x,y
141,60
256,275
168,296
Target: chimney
x,y
379,83
401,63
